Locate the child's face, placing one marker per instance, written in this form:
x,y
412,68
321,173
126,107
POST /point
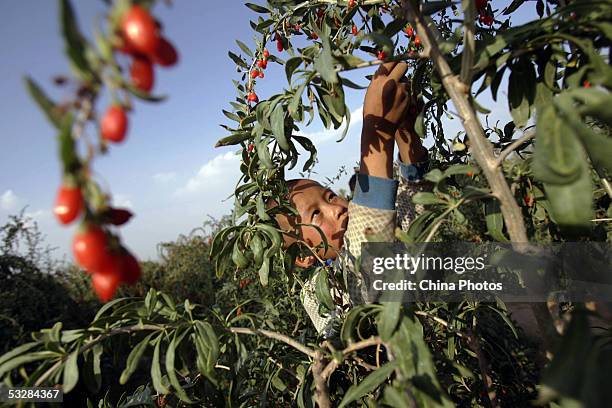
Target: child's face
x,y
319,206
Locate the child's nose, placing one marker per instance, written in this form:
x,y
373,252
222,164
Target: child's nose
x,y
337,210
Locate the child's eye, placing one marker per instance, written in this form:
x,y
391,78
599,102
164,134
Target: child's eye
x,y
331,196
315,213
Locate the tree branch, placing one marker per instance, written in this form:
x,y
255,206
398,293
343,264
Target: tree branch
x,y
321,390
276,336
480,146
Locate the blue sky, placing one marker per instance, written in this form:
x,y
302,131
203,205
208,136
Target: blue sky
x,y
167,172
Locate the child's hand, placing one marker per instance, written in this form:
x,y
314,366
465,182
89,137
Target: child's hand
x,y
383,110
386,99
408,142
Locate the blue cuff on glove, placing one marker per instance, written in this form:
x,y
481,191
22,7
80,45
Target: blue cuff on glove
x,y
375,192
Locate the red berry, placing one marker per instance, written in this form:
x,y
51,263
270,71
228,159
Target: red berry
x,y
251,147
488,20
264,64
130,268
586,84
261,74
142,74
351,3
266,54
139,30
470,174
68,204
113,125
381,55
119,216
417,40
528,200
279,44
314,36
410,31
254,73
354,30
89,248
253,97
165,54
105,284
260,63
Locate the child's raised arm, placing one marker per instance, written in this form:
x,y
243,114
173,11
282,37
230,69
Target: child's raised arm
x,y
383,110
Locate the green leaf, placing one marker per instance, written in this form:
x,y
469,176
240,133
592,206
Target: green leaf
x,y
156,374
571,205
433,7
49,108
347,82
71,372
322,290
291,65
257,8
17,351
170,368
257,247
244,48
92,374
134,358
556,157
388,318
75,44
233,139
238,257
145,96
494,220
324,63
16,362
239,61
369,384
426,198
264,271
278,126
517,99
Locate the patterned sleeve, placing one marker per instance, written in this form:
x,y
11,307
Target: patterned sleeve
x,y
410,182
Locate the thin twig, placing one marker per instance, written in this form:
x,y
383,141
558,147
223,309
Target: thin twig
x,y
606,185
276,336
332,365
513,146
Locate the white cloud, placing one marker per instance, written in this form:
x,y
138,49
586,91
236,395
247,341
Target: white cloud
x,y
9,201
164,178
122,200
222,170
326,135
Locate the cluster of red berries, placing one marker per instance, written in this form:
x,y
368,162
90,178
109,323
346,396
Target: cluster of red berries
x,y
92,247
483,14
142,40
416,40
258,72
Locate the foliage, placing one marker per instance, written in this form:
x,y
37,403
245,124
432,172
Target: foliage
x,y
246,346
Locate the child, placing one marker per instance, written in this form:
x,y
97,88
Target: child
x,y
389,114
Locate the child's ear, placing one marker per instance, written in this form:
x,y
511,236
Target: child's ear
x,y
305,262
